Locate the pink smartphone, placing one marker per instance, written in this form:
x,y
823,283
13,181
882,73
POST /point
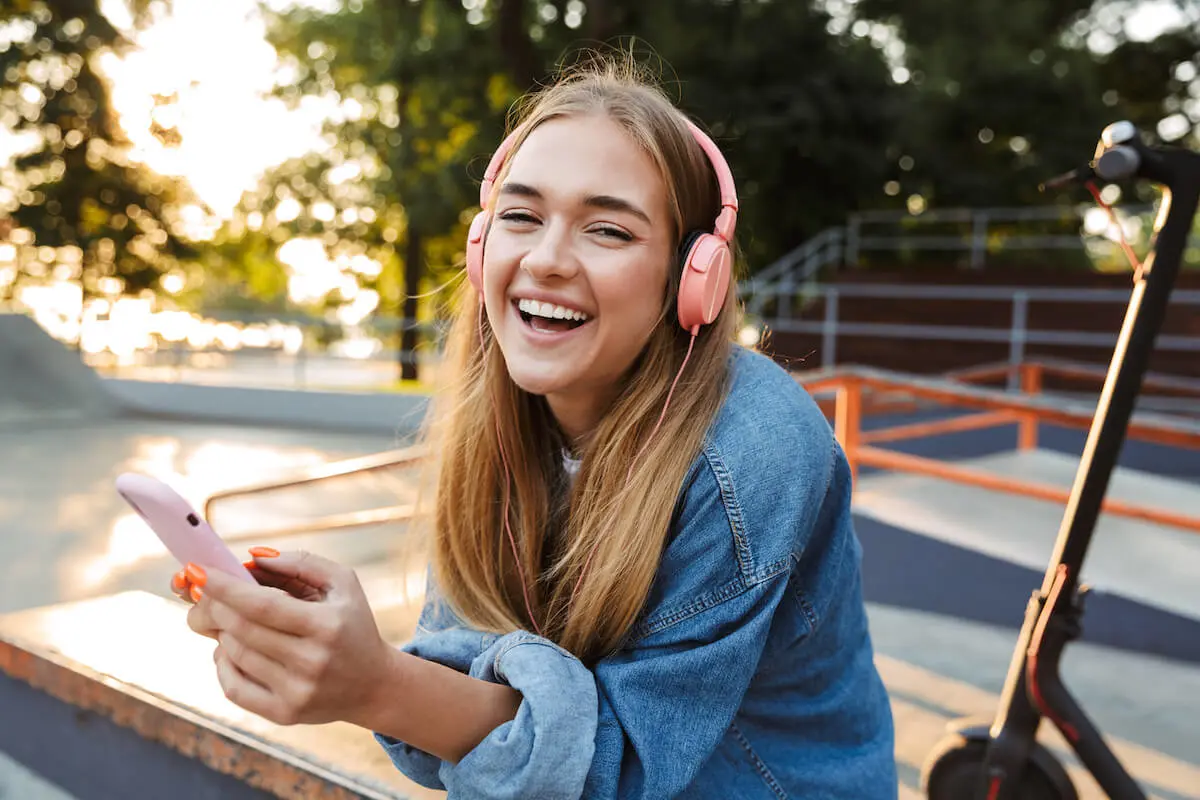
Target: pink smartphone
x,y
186,535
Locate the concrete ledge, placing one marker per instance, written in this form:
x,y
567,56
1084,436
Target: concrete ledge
x,y
115,697
374,412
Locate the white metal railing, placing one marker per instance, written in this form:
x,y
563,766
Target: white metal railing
x,y
974,231
796,271
792,281
1018,334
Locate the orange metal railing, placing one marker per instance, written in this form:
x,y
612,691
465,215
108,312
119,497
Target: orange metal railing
x,y
849,394
857,392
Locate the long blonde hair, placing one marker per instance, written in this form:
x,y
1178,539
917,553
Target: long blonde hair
x,y
557,524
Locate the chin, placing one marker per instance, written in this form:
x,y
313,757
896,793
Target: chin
x,y
537,379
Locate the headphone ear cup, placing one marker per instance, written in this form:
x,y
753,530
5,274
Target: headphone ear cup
x,y
707,265
475,239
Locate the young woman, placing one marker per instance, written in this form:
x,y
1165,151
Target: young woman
x,y
645,580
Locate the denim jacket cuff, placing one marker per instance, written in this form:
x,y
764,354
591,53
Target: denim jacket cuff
x,y
456,648
547,749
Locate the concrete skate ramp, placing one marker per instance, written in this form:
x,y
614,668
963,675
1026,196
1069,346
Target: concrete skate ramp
x,y
41,379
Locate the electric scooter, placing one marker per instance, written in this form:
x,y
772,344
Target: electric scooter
x,y
1005,761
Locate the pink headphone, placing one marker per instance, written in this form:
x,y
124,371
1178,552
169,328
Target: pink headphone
x,y
707,260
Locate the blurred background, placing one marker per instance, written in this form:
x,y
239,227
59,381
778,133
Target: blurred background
x,y
215,204
252,193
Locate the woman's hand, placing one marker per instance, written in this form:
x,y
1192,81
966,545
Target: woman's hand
x,y
302,647
184,585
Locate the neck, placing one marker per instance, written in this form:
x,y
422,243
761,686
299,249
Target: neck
x,y
578,417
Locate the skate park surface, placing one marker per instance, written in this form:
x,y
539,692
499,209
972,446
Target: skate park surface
x,y
947,568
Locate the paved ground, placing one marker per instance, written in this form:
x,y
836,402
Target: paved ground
x,y
947,572
944,613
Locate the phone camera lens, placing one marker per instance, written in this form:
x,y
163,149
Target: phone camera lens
x,y
193,520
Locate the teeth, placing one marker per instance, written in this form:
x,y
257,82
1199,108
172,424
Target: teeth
x,y
551,311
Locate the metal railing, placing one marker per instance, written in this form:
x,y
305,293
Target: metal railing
x,y
976,231
796,272
792,280
848,395
858,391
270,350
377,462
1018,335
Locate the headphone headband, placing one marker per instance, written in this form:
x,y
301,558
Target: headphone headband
x,y
725,182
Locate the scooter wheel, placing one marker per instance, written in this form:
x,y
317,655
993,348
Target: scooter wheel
x,y
954,771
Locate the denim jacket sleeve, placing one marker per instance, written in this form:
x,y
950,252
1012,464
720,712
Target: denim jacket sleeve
x,y
545,751
644,721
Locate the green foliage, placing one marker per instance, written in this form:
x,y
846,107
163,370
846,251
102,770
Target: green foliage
x,y
802,116
810,107
1005,93
822,108
239,272
74,189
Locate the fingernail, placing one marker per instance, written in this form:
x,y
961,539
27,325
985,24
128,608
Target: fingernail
x,y
197,593
264,552
179,581
249,564
197,574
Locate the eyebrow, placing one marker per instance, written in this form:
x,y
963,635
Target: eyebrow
x,y
605,201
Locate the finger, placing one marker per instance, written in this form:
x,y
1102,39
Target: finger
x,y
284,648
199,619
180,586
239,689
284,583
264,605
251,662
307,568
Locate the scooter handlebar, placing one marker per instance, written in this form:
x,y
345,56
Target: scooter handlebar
x,y
1118,163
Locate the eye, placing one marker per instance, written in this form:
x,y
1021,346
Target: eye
x,y
519,217
609,231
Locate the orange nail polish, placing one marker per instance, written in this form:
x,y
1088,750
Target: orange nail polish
x,y
264,552
249,564
197,593
179,581
197,574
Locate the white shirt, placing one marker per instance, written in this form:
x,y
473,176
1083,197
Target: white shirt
x,y
571,465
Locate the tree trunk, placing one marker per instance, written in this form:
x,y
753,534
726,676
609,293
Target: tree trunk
x,y
600,20
519,55
409,335
401,71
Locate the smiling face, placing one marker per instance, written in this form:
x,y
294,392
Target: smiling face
x,y
575,264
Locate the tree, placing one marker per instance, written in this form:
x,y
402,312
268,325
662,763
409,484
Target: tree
x,y
426,86
993,115
75,198
802,114
417,98
821,109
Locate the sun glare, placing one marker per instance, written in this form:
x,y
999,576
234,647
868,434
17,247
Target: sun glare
x,y
214,96
206,70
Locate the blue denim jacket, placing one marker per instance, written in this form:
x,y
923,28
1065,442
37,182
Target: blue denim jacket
x,y
750,673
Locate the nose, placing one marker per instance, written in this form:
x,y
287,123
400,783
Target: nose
x,y
552,255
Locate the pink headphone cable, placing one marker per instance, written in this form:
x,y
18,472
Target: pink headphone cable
x,y
508,529
512,541
646,444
